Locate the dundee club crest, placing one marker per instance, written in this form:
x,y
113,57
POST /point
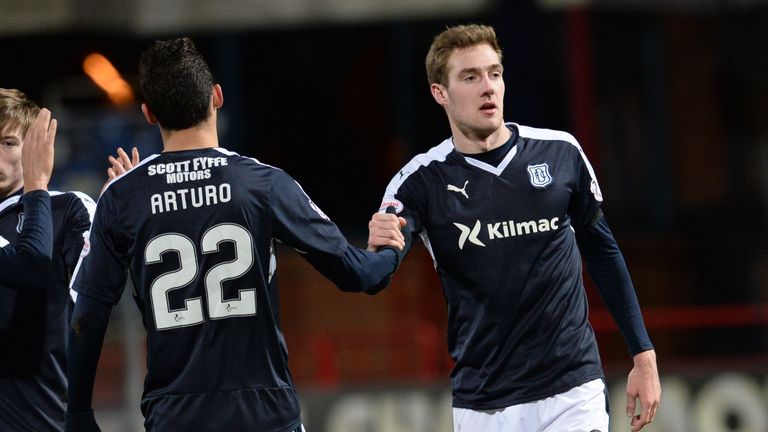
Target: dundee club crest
x,y
539,175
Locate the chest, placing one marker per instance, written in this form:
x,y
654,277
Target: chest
x,y
13,218
528,189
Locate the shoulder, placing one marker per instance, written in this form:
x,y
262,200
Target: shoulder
x,y
9,202
562,140
436,154
249,162
73,197
75,205
130,174
540,134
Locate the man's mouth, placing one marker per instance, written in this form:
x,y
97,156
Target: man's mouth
x,y
488,107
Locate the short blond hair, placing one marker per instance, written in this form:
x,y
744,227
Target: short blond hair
x,y
452,38
16,110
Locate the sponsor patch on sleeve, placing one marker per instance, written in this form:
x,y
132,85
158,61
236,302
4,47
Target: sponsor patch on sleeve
x,y
86,244
391,202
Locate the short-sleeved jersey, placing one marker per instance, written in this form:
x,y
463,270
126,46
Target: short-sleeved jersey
x,y
502,239
33,382
196,230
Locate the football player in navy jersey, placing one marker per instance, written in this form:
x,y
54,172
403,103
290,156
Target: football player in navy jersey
x,y
36,306
33,245
507,213
195,228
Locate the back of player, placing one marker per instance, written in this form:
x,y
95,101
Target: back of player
x,y
196,228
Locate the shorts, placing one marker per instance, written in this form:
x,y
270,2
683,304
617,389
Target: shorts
x,y
580,409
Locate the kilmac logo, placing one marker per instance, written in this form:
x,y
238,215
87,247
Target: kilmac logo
x,y
505,229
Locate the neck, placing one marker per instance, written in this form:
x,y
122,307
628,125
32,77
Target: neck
x,y
470,142
204,135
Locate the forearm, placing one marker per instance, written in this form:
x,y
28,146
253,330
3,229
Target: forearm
x,y
357,269
86,335
34,245
36,238
608,270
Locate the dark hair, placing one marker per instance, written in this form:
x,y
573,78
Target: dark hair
x,y
176,83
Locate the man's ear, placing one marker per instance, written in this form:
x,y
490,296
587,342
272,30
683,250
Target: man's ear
x,y
217,98
440,93
148,115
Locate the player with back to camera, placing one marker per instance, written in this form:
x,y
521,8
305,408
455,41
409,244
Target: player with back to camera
x,y
195,228
507,212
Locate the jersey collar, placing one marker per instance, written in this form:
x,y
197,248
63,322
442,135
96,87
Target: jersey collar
x,y
11,200
496,170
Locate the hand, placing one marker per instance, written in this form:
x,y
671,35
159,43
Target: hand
x,y
37,152
81,422
384,230
643,384
121,164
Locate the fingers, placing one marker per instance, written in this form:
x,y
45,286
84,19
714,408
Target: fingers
x,y
134,157
646,416
386,225
37,151
631,405
43,120
111,175
117,166
51,135
124,159
384,230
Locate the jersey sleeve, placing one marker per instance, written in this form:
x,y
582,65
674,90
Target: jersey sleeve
x,y
20,262
606,266
299,223
587,197
102,270
34,245
406,196
78,221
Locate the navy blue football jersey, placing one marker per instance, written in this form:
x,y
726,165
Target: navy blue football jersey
x,y
503,241
196,231
33,383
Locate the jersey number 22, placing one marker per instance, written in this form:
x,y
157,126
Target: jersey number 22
x,y
218,308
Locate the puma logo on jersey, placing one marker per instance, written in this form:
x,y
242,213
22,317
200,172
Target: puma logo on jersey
x,y
467,234
505,229
462,191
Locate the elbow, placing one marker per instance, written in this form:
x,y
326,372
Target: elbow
x,y
35,258
363,283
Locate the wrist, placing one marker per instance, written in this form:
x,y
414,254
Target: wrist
x,y
35,185
645,358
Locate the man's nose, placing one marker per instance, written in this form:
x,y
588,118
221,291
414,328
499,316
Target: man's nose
x,y
488,85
